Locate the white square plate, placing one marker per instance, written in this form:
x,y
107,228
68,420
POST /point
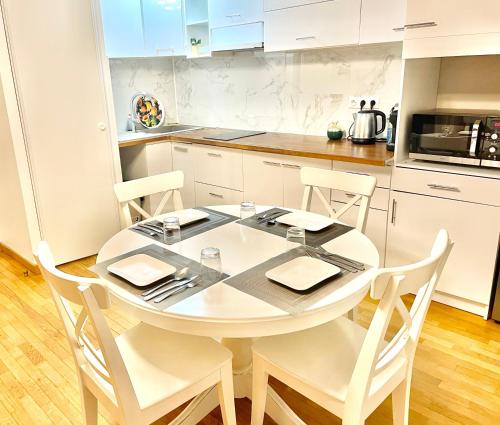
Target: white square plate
x,y
302,273
185,216
307,220
141,269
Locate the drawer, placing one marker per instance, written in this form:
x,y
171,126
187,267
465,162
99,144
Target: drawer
x,y
207,195
219,167
480,190
380,198
282,4
382,174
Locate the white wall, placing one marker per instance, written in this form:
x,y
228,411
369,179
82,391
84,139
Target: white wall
x,y
298,92
13,223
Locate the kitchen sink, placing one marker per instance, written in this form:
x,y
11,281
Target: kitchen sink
x,y
166,129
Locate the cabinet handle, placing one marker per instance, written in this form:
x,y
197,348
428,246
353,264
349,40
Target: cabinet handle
x,y
398,29
234,15
350,195
420,25
215,155
295,167
442,187
178,148
307,37
273,164
215,195
393,215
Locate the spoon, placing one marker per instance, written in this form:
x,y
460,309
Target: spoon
x,y
179,275
182,288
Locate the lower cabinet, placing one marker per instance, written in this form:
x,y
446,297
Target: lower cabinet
x,y
183,158
475,228
159,161
207,194
376,226
263,178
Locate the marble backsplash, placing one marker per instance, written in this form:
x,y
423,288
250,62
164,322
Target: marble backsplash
x,y
298,92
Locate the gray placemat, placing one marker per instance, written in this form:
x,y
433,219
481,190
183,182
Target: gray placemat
x,y
312,238
215,219
172,258
254,282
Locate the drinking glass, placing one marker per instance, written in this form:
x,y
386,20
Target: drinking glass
x,y
211,265
171,230
295,236
247,209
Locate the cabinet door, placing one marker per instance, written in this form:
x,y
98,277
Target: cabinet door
x,y
122,22
263,178
336,23
293,190
234,12
158,161
376,225
219,167
183,159
430,18
382,21
474,228
163,27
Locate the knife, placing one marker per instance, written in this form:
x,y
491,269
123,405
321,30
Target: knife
x,y
150,227
163,290
175,291
145,231
346,260
273,215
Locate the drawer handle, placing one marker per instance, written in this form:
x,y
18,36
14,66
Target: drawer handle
x,y
398,29
273,164
178,148
442,187
215,155
295,167
307,37
215,195
350,195
420,25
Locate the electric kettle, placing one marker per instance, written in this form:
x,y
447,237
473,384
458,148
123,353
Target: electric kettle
x,y
365,127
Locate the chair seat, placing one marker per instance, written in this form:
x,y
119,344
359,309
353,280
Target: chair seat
x,y
323,357
162,363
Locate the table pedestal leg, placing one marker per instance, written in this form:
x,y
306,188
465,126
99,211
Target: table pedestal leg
x,y
203,404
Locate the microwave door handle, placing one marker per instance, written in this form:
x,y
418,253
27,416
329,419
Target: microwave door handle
x,y
474,137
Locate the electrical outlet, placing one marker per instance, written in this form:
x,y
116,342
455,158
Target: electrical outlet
x,y
354,101
136,218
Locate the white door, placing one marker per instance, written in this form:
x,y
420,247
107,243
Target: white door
x,y
234,12
263,178
474,228
183,158
431,18
382,21
63,105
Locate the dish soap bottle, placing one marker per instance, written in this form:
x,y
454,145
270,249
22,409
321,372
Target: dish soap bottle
x,y
130,123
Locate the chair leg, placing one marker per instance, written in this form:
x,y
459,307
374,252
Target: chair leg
x,y
89,406
401,403
259,391
226,395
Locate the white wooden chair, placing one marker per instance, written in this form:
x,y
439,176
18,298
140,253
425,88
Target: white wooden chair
x,y
345,368
127,192
358,186
142,374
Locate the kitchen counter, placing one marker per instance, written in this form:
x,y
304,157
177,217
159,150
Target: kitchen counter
x,y
278,143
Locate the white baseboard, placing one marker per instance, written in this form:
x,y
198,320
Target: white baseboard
x,y
461,303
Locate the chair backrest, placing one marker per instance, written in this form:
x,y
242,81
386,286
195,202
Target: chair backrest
x,y
128,192
99,361
377,359
358,187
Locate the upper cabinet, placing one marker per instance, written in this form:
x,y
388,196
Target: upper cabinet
x,y
163,27
236,24
295,25
451,28
382,21
197,28
122,23
135,28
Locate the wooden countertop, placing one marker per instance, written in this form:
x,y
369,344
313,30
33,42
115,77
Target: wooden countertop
x,y
279,143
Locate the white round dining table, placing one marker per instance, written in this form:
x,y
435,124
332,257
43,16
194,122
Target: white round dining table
x,y
234,317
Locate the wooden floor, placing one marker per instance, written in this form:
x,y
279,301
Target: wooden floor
x,y
456,376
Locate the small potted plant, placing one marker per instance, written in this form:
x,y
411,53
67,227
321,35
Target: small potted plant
x,y
195,46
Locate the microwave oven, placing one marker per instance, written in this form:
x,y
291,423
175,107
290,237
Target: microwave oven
x,y
457,137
